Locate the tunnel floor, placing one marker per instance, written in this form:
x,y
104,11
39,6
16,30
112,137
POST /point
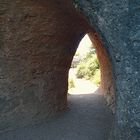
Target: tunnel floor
x,y
88,118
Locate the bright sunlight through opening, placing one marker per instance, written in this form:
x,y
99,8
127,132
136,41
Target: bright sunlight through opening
x,y
84,74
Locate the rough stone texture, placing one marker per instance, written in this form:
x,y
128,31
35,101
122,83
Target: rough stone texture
x,y
117,23
37,42
107,84
35,55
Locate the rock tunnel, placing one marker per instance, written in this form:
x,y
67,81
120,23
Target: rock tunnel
x,y
38,40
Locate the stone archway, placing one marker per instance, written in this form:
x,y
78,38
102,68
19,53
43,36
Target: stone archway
x,y
117,25
38,41
107,82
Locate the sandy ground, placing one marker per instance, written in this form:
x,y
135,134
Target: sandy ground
x,y
88,118
82,86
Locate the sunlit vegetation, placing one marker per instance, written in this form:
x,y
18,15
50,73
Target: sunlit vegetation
x,y
71,83
88,68
84,68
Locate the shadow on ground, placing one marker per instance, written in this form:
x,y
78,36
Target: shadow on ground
x,y
88,118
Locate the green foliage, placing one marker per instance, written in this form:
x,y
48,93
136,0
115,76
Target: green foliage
x,y
89,68
71,83
96,78
80,70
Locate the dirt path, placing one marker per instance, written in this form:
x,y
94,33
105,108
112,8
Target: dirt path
x,y
87,119
82,86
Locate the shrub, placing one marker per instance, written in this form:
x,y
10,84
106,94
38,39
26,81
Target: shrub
x,y
80,71
71,83
89,68
97,77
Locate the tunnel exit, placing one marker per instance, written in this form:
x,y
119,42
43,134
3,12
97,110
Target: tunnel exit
x,y
84,74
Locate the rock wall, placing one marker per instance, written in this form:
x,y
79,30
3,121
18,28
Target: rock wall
x,y
117,23
37,42
107,84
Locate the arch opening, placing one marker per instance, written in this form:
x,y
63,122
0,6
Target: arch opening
x,y
84,74
105,76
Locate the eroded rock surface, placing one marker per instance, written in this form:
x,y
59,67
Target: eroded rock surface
x,y
117,22
37,42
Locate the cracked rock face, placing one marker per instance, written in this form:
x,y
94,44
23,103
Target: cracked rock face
x,y
37,42
117,23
